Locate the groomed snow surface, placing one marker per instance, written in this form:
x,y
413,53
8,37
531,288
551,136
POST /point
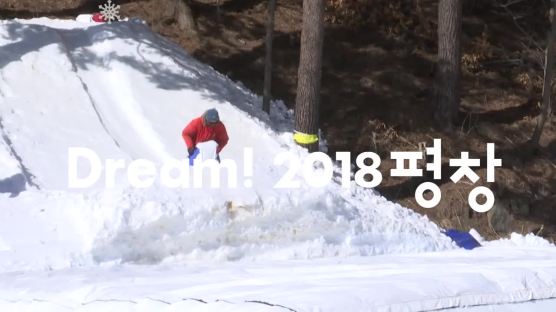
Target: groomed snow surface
x,y
126,93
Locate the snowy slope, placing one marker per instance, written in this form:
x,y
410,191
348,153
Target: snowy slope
x,y
126,93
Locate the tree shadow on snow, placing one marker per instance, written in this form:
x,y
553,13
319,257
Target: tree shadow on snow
x,y
13,185
188,74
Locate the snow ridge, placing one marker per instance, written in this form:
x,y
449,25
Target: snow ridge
x,y
29,177
68,54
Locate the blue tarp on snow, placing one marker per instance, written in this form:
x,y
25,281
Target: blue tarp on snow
x,y
462,239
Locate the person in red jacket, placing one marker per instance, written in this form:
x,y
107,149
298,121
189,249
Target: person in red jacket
x,y
208,127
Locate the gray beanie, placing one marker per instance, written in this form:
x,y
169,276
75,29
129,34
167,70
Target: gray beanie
x,y
211,116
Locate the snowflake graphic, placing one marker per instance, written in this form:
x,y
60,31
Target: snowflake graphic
x,y
110,12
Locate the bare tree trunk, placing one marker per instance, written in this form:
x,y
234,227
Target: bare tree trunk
x,y
546,108
267,95
180,11
184,18
447,86
309,75
218,11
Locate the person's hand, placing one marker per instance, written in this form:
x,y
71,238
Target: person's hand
x,y
190,151
218,157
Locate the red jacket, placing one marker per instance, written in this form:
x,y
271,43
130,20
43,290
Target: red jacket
x,y
197,132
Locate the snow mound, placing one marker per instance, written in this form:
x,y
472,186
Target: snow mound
x,y
520,240
126,93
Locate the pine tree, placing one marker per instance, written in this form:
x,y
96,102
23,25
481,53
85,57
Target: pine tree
x,y
546,108
267,93
447,87
309,74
